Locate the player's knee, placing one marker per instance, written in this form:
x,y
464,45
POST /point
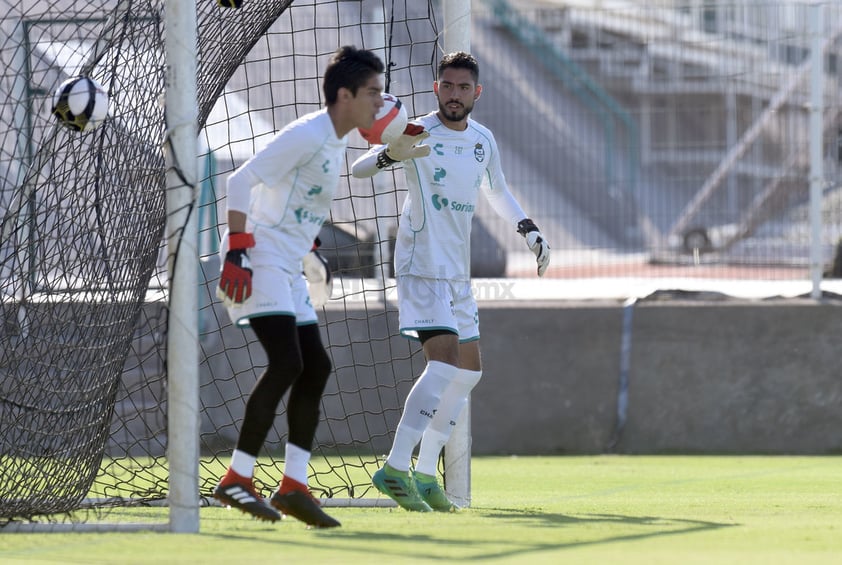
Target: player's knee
x,y
320,365
430,386
467,377
437,376
463,382
314,377
285,363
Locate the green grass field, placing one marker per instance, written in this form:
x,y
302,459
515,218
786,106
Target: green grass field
x,y
602,509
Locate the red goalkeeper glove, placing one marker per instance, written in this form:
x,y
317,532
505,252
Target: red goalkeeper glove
x,y
235,279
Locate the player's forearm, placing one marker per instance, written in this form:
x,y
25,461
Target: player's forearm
x,y
236,221
504,204
367,165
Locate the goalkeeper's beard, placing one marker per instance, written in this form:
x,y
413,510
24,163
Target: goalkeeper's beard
x,y
456,115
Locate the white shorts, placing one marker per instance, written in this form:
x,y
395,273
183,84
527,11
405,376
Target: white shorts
x,y
437,304
275,291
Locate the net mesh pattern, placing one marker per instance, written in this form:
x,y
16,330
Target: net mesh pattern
x,y
83,381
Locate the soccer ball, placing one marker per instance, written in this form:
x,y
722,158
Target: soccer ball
x,y
389,123
80,103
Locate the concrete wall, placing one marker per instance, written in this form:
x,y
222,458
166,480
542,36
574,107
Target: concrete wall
x,y
549,377
706,377
746,377
703,377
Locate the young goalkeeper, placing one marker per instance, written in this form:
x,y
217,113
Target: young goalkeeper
x,y
277,202
432,267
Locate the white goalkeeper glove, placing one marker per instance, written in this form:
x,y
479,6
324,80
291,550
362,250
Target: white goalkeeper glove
x,y
317,273
406,146
537,244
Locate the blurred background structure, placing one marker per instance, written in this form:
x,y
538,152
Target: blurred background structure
x,y
663,132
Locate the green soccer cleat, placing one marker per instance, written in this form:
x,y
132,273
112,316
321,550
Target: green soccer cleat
x,y
400,487
429,489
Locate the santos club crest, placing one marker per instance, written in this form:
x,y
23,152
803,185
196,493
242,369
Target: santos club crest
x,y
479,153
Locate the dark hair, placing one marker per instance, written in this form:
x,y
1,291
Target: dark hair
x,y
350,68
460,60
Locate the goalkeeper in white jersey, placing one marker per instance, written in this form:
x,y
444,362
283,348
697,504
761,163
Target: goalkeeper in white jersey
x,y
458,160
277,202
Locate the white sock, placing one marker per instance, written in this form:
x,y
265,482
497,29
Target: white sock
x,y
432,443
296,463
453,400
421,404
242,463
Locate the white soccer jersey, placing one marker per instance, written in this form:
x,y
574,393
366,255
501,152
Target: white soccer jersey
x,y
299,172
434,232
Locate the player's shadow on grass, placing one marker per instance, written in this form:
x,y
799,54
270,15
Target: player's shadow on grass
x,y
478,550
650,527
